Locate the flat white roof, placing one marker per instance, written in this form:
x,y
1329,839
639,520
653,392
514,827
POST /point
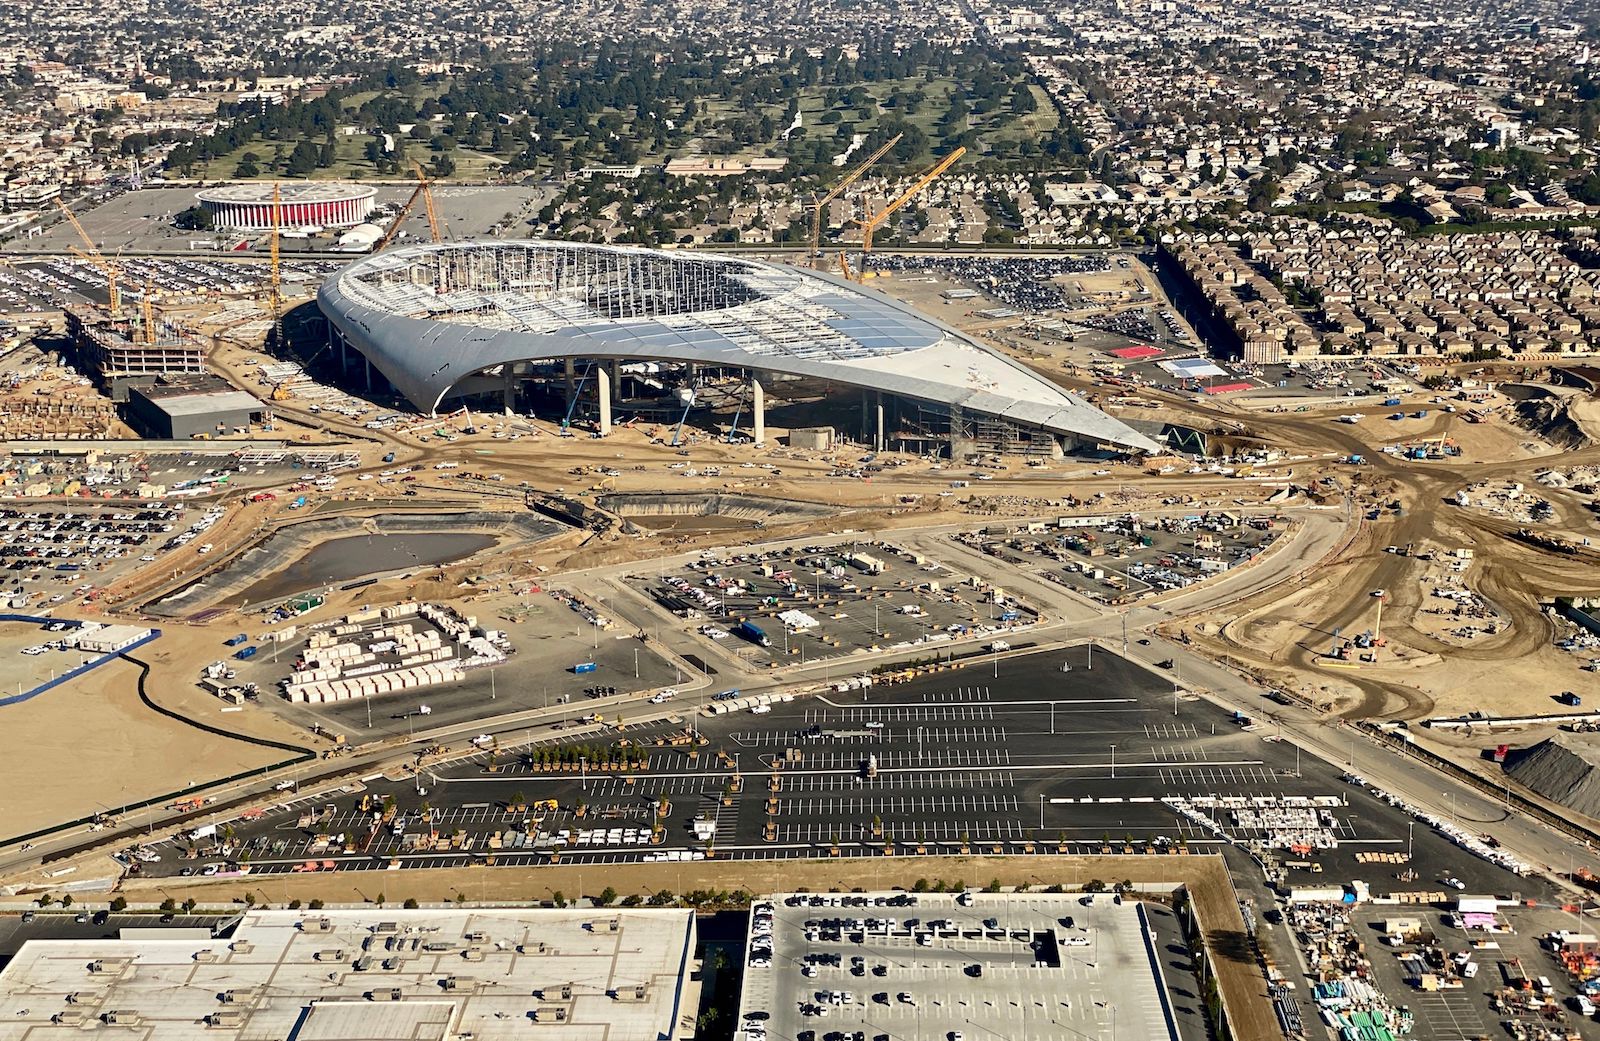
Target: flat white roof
x,y
373,975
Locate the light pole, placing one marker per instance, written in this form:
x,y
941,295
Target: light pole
x,y
1113,762
583,773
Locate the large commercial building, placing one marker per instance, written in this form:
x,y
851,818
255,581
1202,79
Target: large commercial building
x,y
184,407
548,975
474,318
945,966
248,207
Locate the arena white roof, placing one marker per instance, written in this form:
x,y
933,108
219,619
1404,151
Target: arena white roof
x,y
429,316
259,192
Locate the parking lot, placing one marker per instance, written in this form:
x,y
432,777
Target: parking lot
x,y
1468,1011
1034,760
1120,559
814,603
549,641
53,556
932,965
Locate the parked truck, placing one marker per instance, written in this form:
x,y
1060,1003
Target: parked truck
x,y
752,632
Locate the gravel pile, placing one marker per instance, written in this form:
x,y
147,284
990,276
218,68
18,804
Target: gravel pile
x,y
1564,769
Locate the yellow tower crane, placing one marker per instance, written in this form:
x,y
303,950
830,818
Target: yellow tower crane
x,y
872,223
93,256
148,311
844,182
275,291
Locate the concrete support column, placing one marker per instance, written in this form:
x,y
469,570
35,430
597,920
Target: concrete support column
x,y
570,372
758,412
602,386
508,390
877,443
958,443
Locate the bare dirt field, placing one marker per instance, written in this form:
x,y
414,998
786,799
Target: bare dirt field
x,y
91,745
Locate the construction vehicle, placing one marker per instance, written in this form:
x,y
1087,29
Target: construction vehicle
x,y
112,272
846,181
876,220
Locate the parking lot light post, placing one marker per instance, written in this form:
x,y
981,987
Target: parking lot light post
x,y
1041,815
1113,762
583,773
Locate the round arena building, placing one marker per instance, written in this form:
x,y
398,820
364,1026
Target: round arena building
x,y
327,204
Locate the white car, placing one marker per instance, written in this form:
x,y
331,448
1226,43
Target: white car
x,y
875,724
1455,883
1076,941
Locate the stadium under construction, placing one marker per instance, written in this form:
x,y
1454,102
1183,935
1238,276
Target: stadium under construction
x,y
611,334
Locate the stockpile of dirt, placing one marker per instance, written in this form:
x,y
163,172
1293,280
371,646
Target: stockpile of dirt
x,y
1552,419
1564,769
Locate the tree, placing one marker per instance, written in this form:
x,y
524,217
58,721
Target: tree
x,y
195,218
410,904
302,162
119,903
169,904
66,900
608,896
315,905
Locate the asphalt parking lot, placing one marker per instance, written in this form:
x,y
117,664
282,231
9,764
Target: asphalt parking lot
x,y
548,641
1465,1013
1034,758
1124,559
940,966
816,603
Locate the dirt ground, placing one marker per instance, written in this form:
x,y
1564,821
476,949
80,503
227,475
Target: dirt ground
x,y
92,745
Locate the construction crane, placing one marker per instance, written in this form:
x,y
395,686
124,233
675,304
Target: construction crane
x,y
845,182
872,223
435,225
148,311
93,256
275,300
423,191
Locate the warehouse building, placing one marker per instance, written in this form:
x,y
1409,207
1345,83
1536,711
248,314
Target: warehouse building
x,y
358,975
185,407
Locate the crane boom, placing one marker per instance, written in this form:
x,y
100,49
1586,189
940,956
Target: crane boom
x,y
845,182
94,256
421,191
276,303
426,188
148,312
872,223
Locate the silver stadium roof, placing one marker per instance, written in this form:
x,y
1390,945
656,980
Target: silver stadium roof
x,y
429,316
